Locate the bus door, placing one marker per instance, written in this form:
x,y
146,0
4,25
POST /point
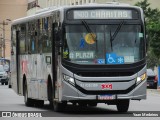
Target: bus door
x,y
54,61
14,59
18,62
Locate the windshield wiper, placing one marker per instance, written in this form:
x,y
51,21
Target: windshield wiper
x,y
90,32
88,29
112,37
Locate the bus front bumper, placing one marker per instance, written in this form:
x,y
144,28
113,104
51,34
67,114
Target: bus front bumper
x,y
73,94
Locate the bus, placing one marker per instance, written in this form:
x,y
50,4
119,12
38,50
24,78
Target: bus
x,y
6,63
81,55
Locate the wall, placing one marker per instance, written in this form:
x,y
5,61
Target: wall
x,y
11,9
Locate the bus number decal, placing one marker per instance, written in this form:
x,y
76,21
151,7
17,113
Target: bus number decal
x,y
106,86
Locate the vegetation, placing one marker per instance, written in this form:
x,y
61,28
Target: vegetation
x,y
152,17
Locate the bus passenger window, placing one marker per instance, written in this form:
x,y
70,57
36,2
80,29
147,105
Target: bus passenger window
x,y
45,38
33,44
22,39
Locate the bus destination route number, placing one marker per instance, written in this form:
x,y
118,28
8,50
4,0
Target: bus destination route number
x,y
102,14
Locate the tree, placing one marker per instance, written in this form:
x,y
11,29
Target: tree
x,y
152,17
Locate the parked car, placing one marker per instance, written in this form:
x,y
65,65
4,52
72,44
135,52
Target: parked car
x,y
3,76
152,79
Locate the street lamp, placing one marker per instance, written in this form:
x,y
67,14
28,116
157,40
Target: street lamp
x,y
3,28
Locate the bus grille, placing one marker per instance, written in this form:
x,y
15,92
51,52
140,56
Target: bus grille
x,y
104,74
102,92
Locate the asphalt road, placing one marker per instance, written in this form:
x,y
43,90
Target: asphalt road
x,y
9,101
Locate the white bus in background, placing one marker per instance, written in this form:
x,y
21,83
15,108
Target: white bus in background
x,y
5,72
80,54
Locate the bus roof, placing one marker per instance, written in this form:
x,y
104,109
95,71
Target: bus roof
x,y
49,11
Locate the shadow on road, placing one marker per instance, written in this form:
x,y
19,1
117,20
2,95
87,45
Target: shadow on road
x,y
74,111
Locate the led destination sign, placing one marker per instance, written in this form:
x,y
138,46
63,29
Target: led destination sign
x,y
102,14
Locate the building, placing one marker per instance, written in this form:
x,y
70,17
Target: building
x,y
37,5
9,10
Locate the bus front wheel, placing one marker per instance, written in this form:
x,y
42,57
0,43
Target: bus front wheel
x,y
123,105
39,103
59,107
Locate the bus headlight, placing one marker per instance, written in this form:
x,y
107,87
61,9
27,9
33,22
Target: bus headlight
x,y
69,79
141,78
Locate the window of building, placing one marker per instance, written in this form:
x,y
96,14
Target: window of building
x,y
32,4
80,2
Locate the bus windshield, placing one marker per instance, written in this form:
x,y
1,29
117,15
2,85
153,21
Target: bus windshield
x,y
103,44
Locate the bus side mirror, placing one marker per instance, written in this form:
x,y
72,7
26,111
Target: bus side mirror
x,y
58,38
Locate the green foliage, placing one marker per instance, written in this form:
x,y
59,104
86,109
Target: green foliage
x,y
144,5
150,14
153,29
152,60
152,17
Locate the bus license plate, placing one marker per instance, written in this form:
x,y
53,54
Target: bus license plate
x,y
106,97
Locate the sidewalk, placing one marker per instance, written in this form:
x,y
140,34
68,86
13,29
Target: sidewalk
x,y
157,91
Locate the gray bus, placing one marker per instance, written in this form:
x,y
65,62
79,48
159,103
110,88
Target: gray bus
x,y
83,54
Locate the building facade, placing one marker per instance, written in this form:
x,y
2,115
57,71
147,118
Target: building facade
x,y
9,10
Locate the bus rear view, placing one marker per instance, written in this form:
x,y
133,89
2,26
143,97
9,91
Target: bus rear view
x,y
103,57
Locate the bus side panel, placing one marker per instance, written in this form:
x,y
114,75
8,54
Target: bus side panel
x,y
36,69
43,71
14,73
14,62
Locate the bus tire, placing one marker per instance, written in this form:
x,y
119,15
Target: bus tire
x,y
123,105
59,107
28,102
2,83
92,104
50,94
82,104
39,103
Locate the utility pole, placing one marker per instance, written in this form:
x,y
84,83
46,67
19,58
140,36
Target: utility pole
x,y
1,46
4,42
